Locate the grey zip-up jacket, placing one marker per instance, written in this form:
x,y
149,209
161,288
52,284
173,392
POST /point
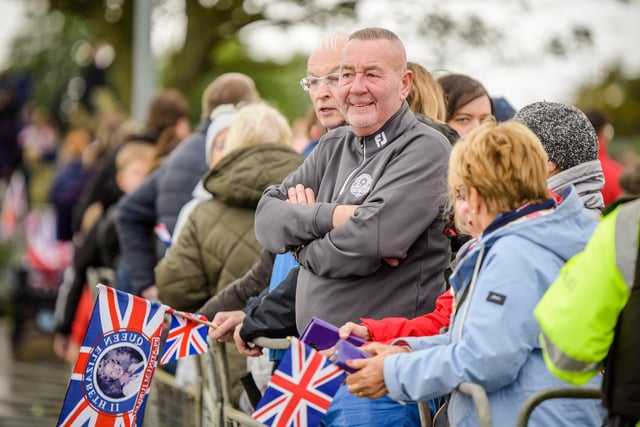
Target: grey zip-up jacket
x,y
398,177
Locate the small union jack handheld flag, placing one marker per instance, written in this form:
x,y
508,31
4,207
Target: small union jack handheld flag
x,y
112,376
186,336
300,390
162,233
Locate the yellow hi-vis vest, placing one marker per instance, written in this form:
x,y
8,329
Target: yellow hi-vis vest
x,y
578,313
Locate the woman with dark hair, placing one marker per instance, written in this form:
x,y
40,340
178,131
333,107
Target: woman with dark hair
x,y
468,102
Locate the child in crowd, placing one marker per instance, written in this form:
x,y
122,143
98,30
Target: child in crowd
x,y
100,248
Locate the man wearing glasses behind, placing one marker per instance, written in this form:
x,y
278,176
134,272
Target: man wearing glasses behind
x,y
363,215
321,83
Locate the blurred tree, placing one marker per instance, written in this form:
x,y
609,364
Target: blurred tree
x,y
71,57
618,96
80,42
69,46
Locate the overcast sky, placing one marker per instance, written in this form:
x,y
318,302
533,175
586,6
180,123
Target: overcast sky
x,y
517,68
10,21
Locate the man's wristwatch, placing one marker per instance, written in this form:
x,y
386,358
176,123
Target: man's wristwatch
x,y
295,253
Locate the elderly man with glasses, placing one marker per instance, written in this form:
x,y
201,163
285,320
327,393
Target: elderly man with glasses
x,y
321,83
363,214
370,191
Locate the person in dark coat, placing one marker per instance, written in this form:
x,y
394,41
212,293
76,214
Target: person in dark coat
x,y
217,243
168,113
10,154
162,195
99,248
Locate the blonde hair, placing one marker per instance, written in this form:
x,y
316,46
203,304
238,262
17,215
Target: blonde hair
x,y
257,123
426,95
505,163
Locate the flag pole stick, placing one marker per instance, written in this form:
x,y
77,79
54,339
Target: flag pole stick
x,y
182,314
193,318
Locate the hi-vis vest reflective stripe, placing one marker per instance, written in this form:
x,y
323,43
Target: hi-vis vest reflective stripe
x,y
627,241
565,363
626,250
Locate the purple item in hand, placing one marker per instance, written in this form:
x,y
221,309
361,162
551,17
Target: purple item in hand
x,y
322,335
347,351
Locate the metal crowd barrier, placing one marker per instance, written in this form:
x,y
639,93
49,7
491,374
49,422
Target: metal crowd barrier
x,y
483,410
170,405
216,393
480,401
210,405
282,344
554,393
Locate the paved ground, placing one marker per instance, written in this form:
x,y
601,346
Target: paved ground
x,y
32,380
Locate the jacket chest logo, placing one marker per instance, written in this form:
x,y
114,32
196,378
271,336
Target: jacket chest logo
x,y
496,298
380,139
361,185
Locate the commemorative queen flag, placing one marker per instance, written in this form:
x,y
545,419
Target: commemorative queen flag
x,y
112,376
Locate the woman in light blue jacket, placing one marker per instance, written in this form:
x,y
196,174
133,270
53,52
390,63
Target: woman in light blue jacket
x,y
492,341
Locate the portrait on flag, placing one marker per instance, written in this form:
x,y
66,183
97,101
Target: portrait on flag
x,y
120,371
300,390
112,376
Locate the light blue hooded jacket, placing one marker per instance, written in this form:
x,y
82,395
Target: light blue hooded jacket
x,y
493,337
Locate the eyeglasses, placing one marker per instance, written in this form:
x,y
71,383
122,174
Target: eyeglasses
x,y
312,83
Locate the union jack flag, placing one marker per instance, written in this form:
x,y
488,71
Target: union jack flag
x,y
162,233
185,337
123,332
300,390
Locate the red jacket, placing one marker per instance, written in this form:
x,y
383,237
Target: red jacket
x,y
612,171
429,324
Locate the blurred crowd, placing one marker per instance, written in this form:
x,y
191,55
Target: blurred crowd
x,y
420,213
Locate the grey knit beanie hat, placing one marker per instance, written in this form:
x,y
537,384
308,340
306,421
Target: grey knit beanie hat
x,y
565,132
